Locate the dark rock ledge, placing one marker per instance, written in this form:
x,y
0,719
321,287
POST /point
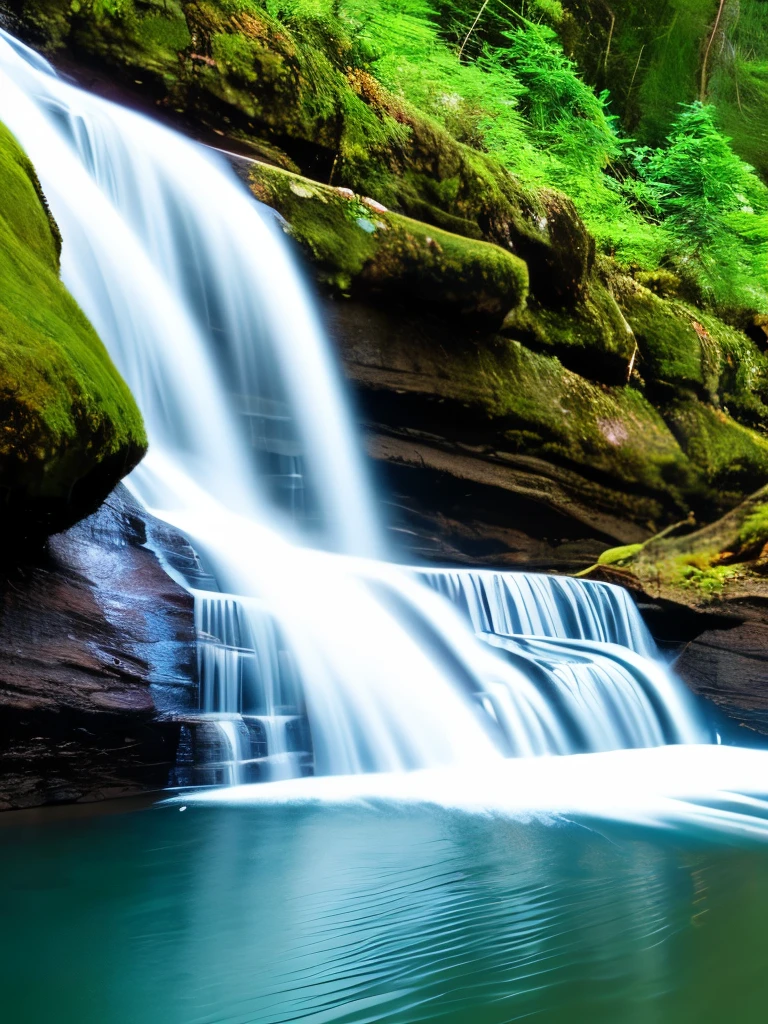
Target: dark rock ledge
x,y
97,662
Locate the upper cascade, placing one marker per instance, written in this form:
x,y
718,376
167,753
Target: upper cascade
x,y
531,604
309,660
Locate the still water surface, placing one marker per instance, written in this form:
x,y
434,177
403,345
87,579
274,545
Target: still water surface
x,y
319,914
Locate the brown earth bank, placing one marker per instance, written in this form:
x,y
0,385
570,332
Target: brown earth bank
x,y
704,593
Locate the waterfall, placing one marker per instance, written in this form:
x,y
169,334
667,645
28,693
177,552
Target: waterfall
x,y
313,654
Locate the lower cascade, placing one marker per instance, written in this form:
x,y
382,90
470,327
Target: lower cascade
x,y
315,655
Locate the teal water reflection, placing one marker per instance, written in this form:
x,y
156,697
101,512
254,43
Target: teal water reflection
x,y
314,914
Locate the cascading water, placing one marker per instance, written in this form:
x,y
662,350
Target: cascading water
x,y
527,604
196,298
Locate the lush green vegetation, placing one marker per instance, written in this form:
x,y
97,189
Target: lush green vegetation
x,y
754,529
507,88
738,85
713,207
390,86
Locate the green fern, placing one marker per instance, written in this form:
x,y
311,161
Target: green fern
x,y
714,207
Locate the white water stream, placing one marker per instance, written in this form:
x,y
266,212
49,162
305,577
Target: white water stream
x,y
195,296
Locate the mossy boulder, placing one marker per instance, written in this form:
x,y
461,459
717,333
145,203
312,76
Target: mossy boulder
x,y
591,336
612,435
683,347
70,429
360,248
732,458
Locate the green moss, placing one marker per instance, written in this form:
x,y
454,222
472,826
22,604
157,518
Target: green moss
x,y
724,558
754,529
742,371
694,572
591,336
610,431
65,408
732,458
674,347
700,572
663,283
358,248
683,346
48,23
620,556
691,457
163,34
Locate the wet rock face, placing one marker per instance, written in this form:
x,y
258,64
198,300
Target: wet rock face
x,y
520,457
97,662
730,667
610,413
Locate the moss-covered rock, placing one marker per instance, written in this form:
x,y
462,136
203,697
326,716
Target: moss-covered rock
x,y
609,433
555,386
70,428
724,563
358,247
614,450
590,336
681,346
732,458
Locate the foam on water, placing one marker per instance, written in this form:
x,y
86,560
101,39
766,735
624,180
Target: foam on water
x,y
712,787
